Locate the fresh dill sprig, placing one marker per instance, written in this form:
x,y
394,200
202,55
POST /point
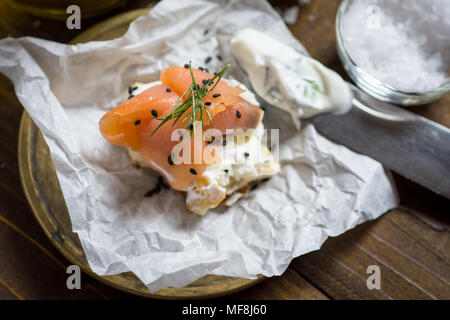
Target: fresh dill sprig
x,y
193,104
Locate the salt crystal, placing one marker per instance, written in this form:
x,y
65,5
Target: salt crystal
x,y
403,43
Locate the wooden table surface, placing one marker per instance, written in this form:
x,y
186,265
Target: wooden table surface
x,y
410,244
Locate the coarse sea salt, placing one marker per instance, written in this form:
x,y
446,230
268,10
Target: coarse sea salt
x,y
403,43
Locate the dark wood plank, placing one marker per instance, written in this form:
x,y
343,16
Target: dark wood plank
x,y
33,283
47,278
410,268
289,286
432,235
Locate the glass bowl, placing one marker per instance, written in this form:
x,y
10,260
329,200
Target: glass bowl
x,y
373,86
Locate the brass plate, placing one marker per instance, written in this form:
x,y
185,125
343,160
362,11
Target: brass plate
x,y
43,192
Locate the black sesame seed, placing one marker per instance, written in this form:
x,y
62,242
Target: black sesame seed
x,y
131,96
224,142
208,60
205,32
168,90
204,81
135,88
169,159
130,90
154,113
226,170
201,68
206,70
219,57
216,95
191,127
192,171
238,114
207,103
137,122
186,66
246,154
198,86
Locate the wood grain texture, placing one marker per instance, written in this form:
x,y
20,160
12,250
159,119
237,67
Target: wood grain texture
x,y
409,269
290,286
409,244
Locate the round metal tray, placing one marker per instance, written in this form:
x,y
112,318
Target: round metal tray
x,y
44,194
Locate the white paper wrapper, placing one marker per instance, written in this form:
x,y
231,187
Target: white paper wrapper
x,y
323,190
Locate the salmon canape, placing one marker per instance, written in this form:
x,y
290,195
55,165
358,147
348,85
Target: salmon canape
x,y
203,134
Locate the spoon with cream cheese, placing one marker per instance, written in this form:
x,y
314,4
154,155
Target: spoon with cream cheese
x,y
287,79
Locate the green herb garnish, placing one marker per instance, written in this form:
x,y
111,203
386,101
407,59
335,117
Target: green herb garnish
x,y
194,102
314,85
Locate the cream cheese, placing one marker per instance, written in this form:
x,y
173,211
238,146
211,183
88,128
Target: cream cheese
x,y
234,172
287,79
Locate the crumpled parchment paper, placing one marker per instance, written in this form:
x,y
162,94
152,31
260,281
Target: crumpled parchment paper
x,y
323,190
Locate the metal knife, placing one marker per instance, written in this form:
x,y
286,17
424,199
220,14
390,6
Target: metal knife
x,y
406,143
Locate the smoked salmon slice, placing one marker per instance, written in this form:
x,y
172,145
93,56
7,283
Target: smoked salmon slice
x,y
132,124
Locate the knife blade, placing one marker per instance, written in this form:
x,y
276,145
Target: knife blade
x,y
406,143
